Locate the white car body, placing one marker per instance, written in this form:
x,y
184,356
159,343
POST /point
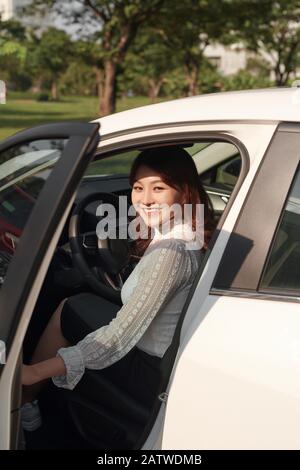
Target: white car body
x,y
236,380
241,398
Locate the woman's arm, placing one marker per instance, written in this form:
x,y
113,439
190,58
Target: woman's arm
x,y
43,370
165,269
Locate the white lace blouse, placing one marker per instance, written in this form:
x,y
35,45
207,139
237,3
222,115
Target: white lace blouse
x,y
153,297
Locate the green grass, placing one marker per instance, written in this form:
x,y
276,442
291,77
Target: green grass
x,y
22,111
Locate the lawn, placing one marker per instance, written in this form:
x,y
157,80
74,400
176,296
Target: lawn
x,y
22,111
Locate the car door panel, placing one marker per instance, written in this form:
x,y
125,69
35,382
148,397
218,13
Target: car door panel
x,y
238,379
237,376
27,268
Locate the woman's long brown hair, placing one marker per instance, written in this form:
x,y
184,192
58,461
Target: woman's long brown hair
x,y
177,169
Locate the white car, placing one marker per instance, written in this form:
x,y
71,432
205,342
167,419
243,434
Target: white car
x,y
231,378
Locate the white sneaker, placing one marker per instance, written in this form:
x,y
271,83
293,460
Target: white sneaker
x,y
31,416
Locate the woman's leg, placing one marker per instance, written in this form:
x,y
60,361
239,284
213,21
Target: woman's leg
x,y
51,340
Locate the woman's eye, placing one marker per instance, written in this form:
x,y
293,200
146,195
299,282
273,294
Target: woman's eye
x,y
158,187
137,188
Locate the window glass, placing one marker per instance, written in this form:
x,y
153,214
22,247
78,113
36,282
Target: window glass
x,y
206,155
218,165
282,271
24,170
225,172
119,164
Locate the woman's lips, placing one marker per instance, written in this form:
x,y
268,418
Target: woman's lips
x,y
149,211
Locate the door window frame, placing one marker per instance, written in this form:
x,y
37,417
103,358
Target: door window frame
x,y
182,137
247,250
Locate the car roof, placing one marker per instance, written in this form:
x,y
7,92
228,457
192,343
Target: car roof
x,y
270,104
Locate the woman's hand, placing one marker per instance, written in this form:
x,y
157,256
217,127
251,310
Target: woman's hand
x,y
43,370
29,375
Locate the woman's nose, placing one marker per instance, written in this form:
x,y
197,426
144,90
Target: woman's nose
x,y
147,197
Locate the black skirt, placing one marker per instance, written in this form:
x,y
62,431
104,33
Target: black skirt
x,y
136,373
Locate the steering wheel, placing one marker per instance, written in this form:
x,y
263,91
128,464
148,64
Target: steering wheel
x,y
108,256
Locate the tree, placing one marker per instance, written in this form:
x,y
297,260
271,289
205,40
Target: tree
x,y
12,38
51,56
148,64
187,27
117,23
13,50
89,52
272,29
78,79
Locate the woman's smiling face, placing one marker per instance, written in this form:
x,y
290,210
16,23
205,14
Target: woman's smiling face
x,y
151,196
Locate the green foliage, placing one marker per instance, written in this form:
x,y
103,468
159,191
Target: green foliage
x,y
13,55
186,28
12,37
113,23
43,96
244,80
175,84
12,30
50,56
12,48
78,79
210,80
147,66
258,66
150,47
271,28
53,51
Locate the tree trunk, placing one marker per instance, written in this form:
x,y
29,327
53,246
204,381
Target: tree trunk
x,y
154,89
37,85
278,75
281,79
191,75
108,95
54,91
282,74
192,87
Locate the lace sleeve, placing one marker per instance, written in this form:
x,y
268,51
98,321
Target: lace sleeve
x,y
165,268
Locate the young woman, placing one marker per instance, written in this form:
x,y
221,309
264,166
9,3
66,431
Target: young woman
x,y
129,348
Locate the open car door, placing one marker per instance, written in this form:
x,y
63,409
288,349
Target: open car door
x,y
40,169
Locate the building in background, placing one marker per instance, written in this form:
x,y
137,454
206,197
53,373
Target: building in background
x,y
228,59
9,8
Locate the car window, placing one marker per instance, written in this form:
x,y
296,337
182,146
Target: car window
x,y
206,155
224,175
23,172
218,165
119,164
282,272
